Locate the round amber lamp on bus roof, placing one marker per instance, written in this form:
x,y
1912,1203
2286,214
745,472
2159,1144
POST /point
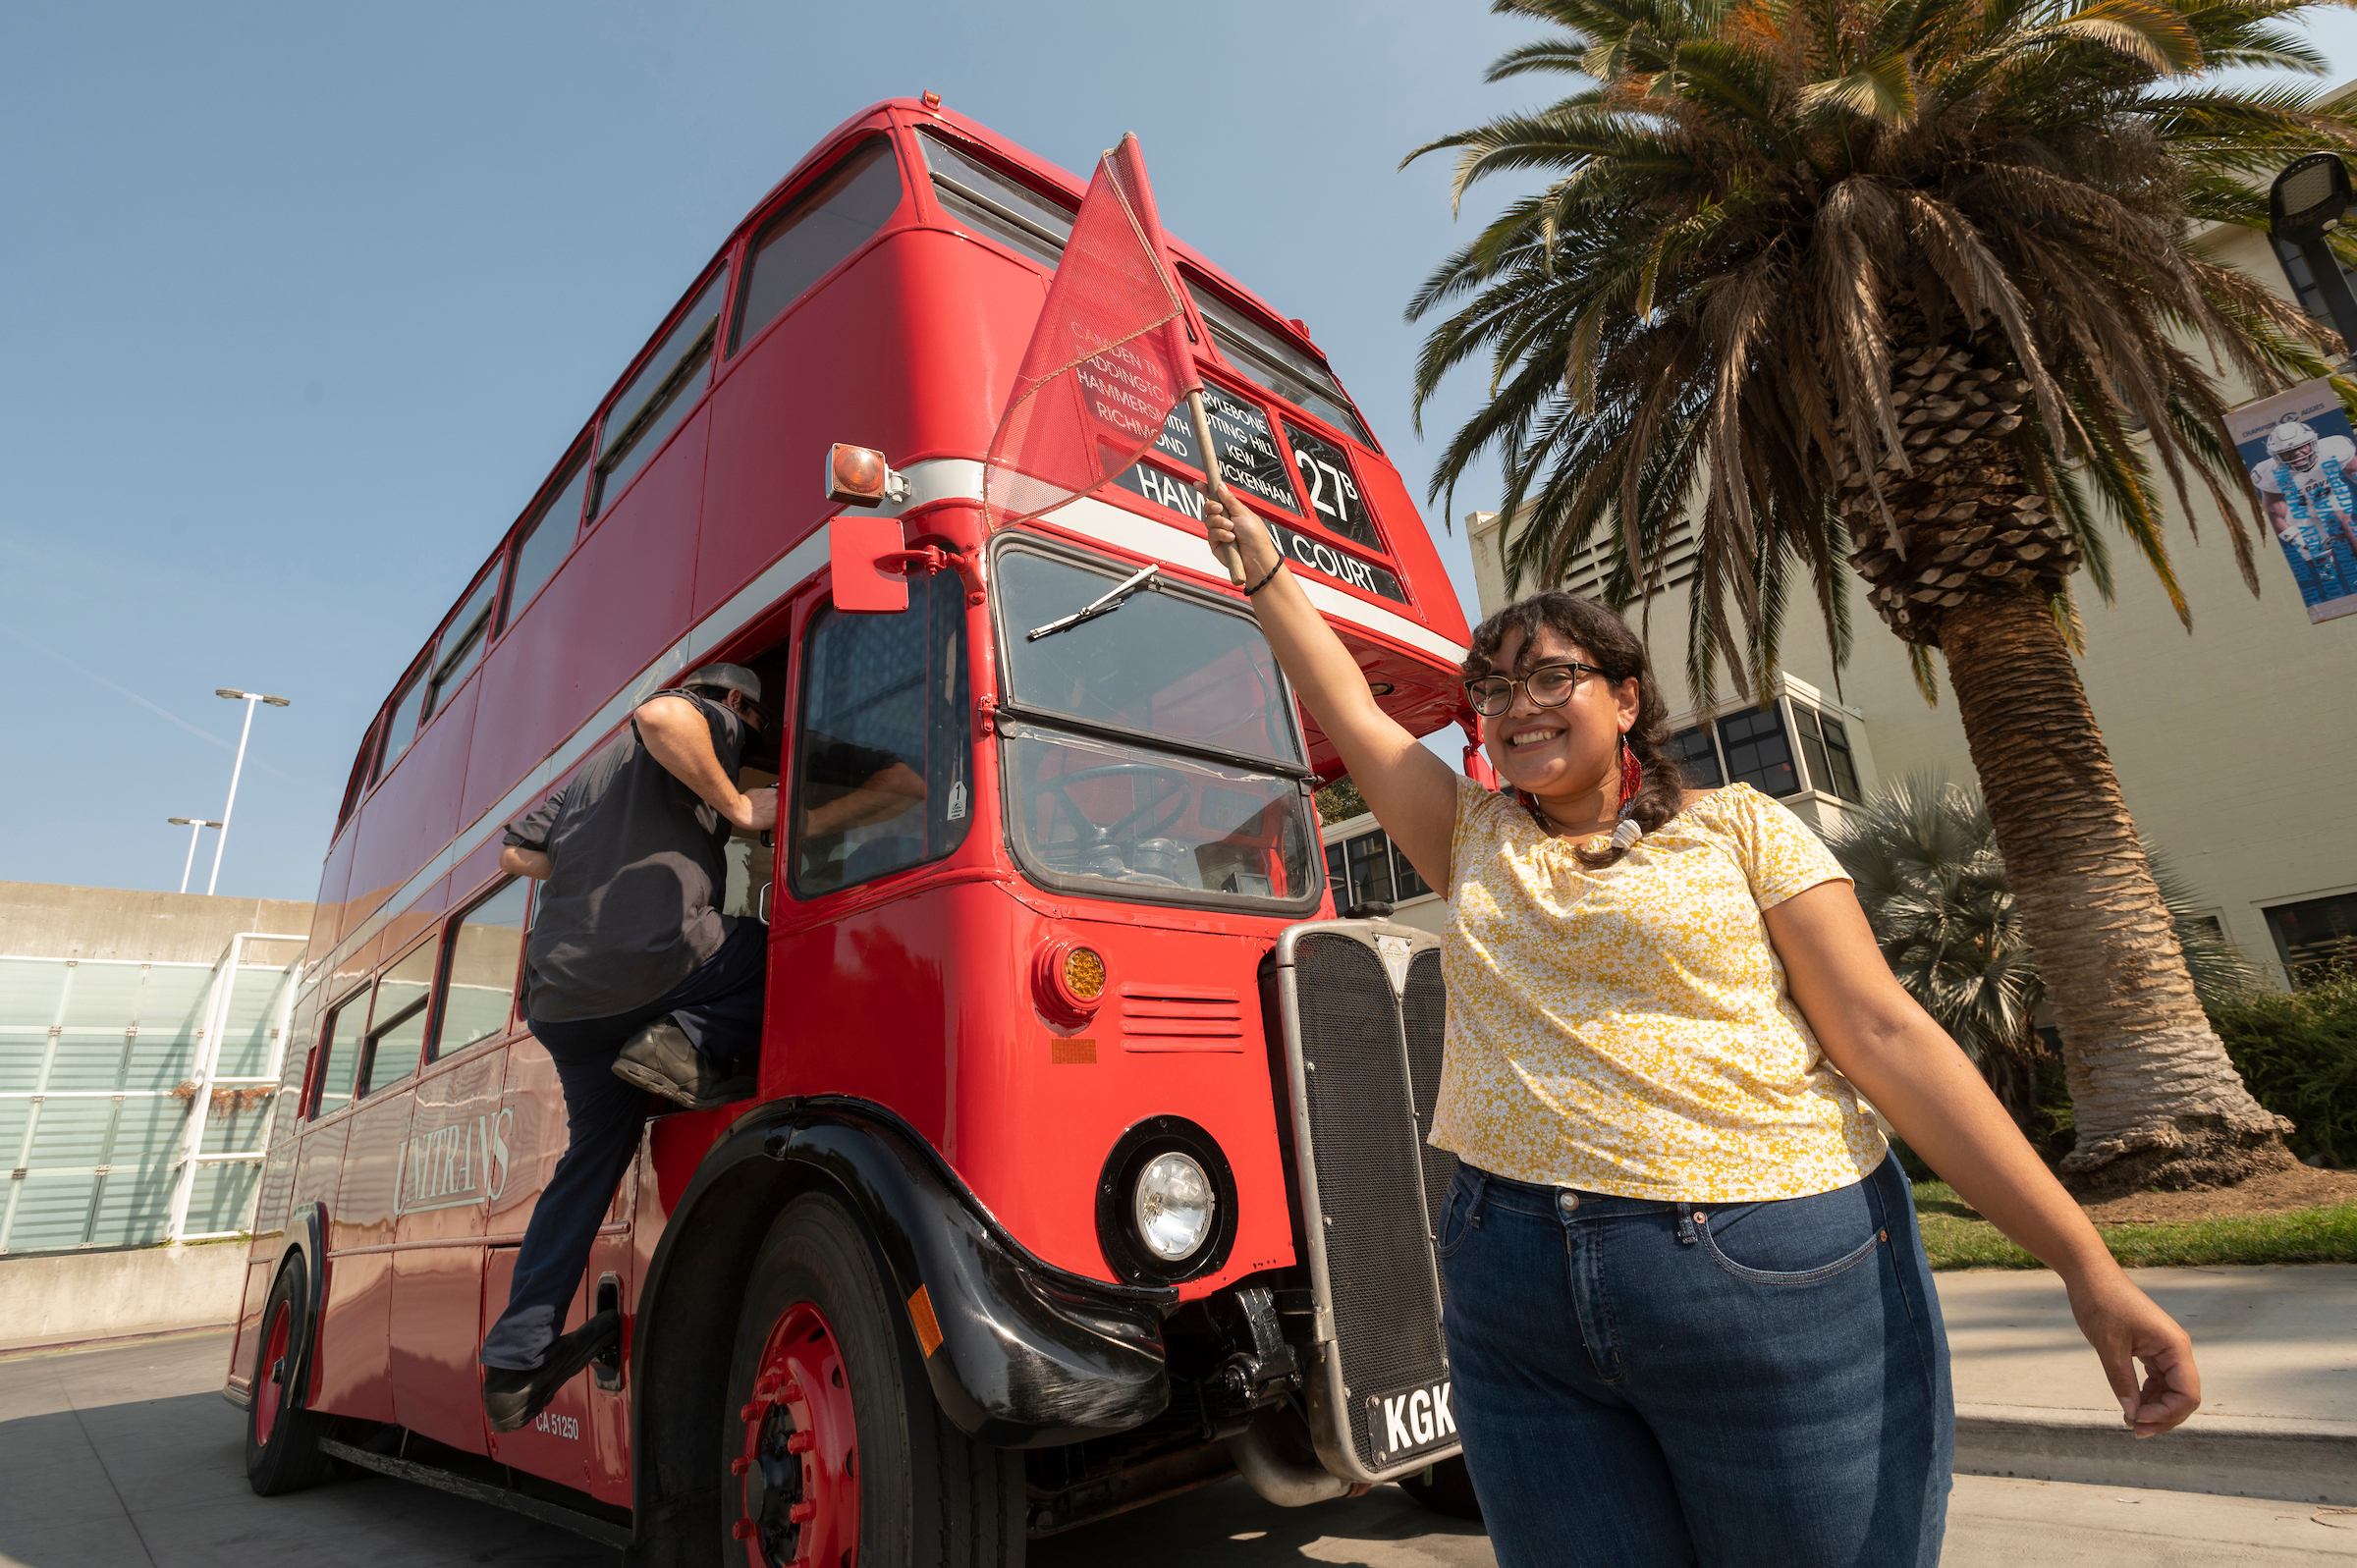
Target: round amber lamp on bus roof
x,y
1071,979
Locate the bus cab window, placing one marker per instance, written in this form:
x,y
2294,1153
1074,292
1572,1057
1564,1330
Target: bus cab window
x,y
880,760
340,1045
397,1021
833,217
486,965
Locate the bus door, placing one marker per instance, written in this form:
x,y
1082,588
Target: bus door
x,y
356,1366
454,1163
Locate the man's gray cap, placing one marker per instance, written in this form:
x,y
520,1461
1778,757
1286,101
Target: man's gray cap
x,y
725,677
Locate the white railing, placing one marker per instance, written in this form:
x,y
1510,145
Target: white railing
x,y
208,1057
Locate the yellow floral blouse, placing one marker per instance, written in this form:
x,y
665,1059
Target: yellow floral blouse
x,y
1626,1030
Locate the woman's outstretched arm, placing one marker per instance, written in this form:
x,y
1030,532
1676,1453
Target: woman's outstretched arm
x,y
1916,1076
1412,791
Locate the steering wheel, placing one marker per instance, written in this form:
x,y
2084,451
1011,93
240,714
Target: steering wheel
x,y
1094,839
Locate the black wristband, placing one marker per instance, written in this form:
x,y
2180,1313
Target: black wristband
x,y
1266,579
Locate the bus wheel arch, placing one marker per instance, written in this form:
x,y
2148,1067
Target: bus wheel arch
x,y
281,1435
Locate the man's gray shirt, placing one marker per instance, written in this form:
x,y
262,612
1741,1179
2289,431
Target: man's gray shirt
x,y
627,912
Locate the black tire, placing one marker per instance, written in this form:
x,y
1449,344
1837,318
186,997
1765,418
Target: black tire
x,y
282,1439
928,1495
1445,1487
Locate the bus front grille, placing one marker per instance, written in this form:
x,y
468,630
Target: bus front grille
x,y
1362,1009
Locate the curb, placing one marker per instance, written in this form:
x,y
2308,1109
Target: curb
x,y
2235,1456
59,1347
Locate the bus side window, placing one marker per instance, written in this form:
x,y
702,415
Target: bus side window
x,y
880,759
402,728
486,965
648,411
830,220
340,1045
397,1020
543,543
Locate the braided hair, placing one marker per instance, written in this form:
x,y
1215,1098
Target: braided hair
x,y
1605,638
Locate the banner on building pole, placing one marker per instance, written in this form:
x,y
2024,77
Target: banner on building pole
x,y
2298,449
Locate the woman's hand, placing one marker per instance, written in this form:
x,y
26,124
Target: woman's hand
x,y
1230,521
2125,1325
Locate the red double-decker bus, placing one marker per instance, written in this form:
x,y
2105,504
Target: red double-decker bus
x,y
1087,1163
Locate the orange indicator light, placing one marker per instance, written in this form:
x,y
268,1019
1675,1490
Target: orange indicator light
x,y
1084,974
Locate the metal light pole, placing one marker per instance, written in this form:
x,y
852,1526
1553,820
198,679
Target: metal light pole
x,y
250,698
195,825
2303,206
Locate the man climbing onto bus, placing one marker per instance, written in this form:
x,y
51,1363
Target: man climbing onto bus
x,y
634,982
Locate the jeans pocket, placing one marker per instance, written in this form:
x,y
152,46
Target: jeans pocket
x,y
1792,1241
1456,1222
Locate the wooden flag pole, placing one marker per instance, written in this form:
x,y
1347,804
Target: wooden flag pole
x,y
1233,557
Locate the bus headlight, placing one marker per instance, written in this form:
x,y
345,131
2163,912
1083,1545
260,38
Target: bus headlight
x,y
1173,1206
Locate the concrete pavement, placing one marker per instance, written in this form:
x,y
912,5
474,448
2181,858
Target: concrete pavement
x,y
128,1456
2277,1353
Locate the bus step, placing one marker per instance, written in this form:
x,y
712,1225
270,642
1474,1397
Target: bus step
x,y
604,1531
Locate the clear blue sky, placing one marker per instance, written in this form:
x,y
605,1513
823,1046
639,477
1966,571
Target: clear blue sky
x,y
304,301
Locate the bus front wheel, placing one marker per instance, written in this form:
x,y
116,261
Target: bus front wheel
x,y
282,1439
834,1448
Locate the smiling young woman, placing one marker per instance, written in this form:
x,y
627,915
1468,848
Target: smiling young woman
x,y
1664,1008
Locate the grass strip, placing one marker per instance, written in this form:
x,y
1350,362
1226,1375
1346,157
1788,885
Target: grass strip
x,y
1957,1237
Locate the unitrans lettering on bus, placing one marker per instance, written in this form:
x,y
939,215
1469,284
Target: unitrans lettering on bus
x,y
1039,1179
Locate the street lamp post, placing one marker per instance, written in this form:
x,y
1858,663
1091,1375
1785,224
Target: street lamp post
x,y
250,698
2305,205
196,826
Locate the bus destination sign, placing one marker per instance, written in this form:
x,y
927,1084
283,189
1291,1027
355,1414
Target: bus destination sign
x,y
1239,432
1334,493
1302,549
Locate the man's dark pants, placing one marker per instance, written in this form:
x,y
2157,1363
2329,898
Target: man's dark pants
x,y
719,1009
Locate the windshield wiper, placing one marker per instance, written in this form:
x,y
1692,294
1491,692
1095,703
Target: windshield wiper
x,y
1103,607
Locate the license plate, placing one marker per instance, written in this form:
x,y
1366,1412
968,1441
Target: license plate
x,y
1405,1424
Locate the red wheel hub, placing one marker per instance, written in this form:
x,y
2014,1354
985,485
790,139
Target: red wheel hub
x,y
270,1388
799,1468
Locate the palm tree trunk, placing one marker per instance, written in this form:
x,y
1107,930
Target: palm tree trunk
x,y
2156,1099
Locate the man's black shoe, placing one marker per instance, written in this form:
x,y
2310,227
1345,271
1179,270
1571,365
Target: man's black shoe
x,y
510,1398
660,1059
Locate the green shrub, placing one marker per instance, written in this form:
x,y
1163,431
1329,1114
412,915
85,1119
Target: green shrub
x,y
2297,1052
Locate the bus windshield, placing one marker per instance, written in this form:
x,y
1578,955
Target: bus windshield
x,y
1151,749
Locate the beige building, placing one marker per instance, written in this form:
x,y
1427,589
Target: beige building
x,y
2236,744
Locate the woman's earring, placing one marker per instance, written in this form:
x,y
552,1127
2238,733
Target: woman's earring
x,y
1632,774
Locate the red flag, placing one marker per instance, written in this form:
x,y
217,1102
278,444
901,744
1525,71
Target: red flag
x,y
1109,360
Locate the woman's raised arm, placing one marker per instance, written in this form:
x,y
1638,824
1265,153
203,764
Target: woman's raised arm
x,y
1412,791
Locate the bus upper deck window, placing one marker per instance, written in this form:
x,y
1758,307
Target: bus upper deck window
x,y
407,704
659,396
991,205
1263,357
463,644
545,541
826,223
340,1039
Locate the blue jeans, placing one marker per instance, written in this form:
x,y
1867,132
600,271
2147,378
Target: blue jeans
x,y
1641,1383
718,1007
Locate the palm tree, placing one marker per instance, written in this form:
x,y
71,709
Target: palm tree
x,y
1923,856
1910,284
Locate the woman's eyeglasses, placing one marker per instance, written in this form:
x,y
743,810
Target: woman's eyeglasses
x,y
1548,686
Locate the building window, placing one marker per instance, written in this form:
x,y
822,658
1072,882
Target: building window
x,y
1757,751
1825,747
2314,936
1367,867
1697,757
